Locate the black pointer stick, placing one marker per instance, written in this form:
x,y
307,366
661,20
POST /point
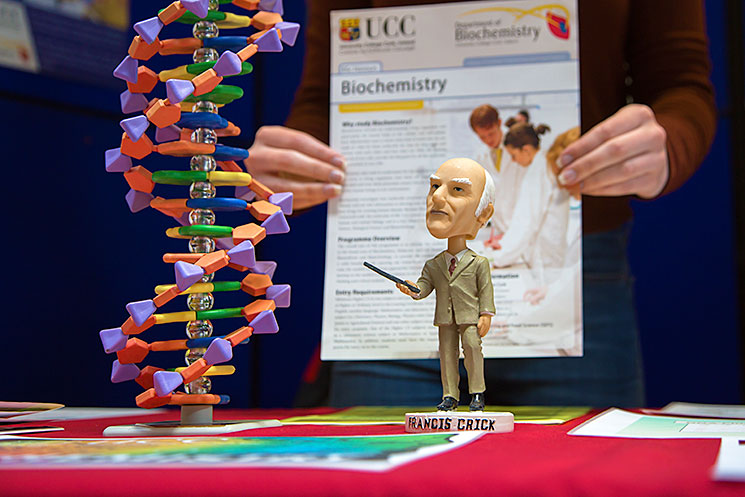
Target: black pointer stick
x,y
391,277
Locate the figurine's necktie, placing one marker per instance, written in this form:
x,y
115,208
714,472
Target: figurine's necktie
x,y
453,261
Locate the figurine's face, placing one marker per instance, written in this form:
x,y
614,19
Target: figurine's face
x,y
490,136
454,194
521,155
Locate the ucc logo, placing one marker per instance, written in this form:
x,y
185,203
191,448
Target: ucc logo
x,y
351,29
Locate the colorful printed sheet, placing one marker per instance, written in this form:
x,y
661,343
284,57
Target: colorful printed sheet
x,y
546,415
364,453
619,423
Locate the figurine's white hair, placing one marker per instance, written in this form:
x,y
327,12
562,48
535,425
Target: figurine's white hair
x,y
488,196
434,177
464,181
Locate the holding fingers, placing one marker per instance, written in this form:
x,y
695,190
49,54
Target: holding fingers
x,y
285,159
405,290
625,154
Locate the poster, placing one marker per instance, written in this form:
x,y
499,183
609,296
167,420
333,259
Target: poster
x,y
80,40
410,88
111,13
17,48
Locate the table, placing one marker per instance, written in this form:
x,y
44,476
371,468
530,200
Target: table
x,y
534,461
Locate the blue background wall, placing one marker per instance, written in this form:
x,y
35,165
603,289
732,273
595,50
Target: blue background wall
x,y
683,256
75,255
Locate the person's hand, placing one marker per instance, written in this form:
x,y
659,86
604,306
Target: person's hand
x,y
404,289
625,154
484,324
493,242
287,160
535,296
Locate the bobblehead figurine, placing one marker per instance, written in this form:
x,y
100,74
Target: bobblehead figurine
x,y
459,202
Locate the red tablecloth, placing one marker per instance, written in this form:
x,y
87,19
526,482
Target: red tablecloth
x,y
533,461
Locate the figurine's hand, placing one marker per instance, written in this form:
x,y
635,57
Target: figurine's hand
x,y
484,325
287,160
623,155
405,289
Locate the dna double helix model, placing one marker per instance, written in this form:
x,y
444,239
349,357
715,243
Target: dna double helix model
x,y
187,124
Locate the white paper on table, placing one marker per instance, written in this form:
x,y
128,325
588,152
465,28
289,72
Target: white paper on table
x,y
400,103
11,412
702,410
78,413
624,424
730,465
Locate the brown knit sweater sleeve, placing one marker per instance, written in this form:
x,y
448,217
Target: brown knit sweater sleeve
x,y
310,110
669,66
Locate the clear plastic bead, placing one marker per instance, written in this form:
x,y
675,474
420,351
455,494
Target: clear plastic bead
x,y
201,245
201,385
200,301
208,278
199,329
203,163
204,135
201,216
214,5
204,106
205,29
193,355
202,189
205,55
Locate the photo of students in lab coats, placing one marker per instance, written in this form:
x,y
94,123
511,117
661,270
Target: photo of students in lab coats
x,y
533,240
555,248
519,244
556,261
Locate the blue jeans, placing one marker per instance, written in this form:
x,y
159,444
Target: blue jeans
x,y
609,373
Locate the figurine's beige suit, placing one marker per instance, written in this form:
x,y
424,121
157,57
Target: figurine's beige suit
x,y
460,300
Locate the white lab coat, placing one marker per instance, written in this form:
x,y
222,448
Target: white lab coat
x,y
536,234
487,156
508,188
507,185
551,244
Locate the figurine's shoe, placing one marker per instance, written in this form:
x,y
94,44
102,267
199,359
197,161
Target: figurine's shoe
x,y
477,402
447,404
